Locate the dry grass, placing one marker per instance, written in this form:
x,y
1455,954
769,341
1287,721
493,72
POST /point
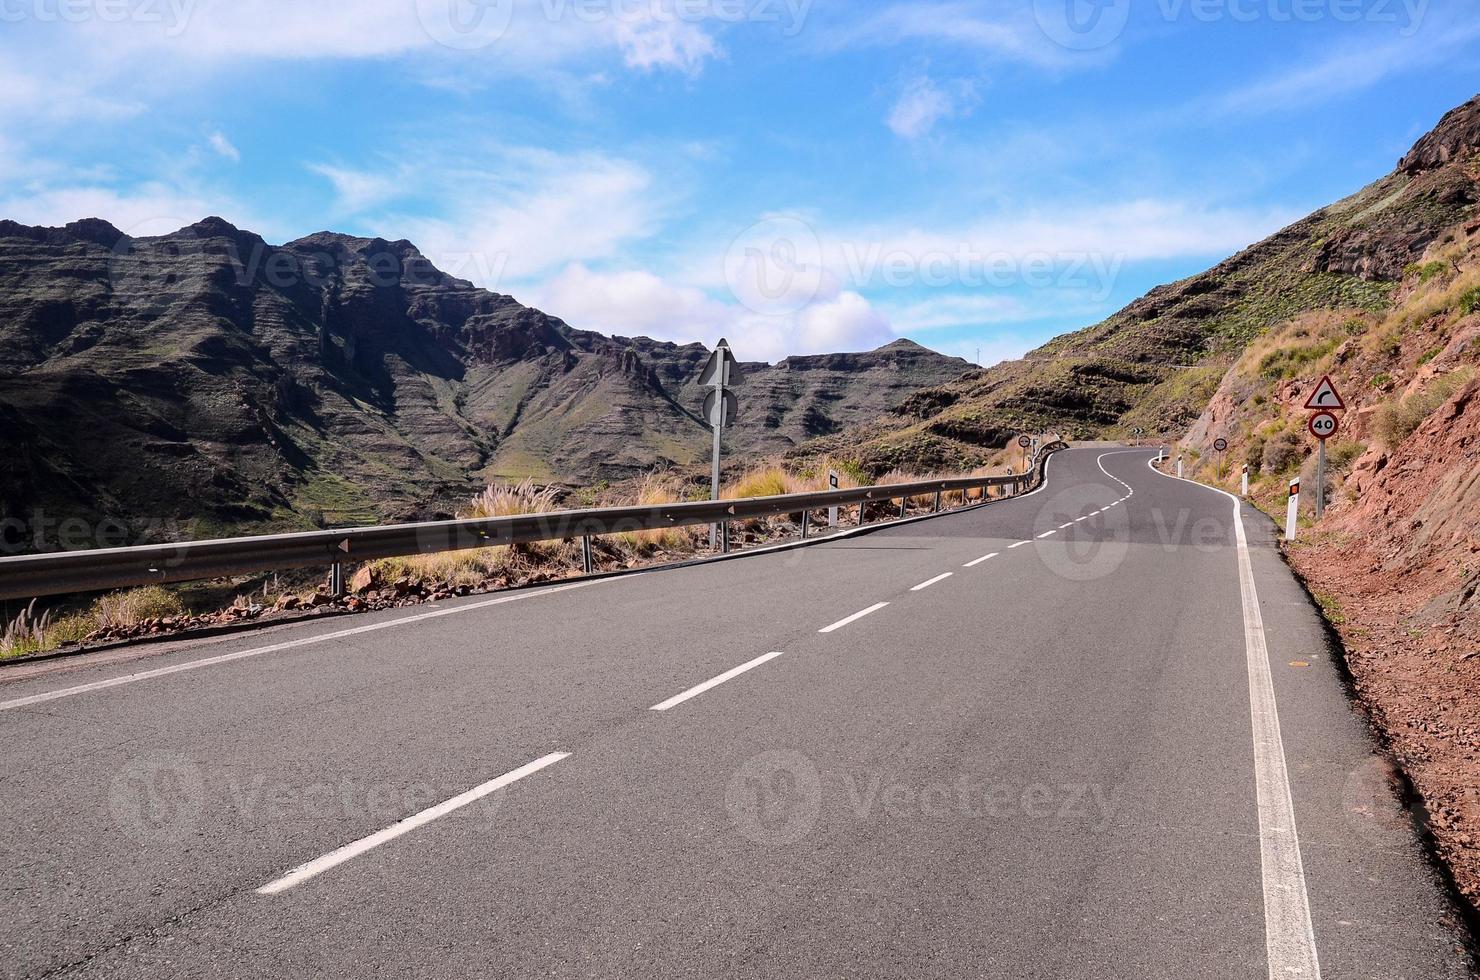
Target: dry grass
x,y
655,490
122,610
766,481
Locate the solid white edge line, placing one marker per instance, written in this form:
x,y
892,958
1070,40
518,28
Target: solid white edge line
x,y
714,682
353,850
925,585
977,561
224,658
853,618
1289,937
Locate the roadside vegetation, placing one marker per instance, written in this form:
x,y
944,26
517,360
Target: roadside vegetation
x,y
413,578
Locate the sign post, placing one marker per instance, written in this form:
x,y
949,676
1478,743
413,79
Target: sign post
x,y
720,409
1221,447
832,512
1323,425
1026,442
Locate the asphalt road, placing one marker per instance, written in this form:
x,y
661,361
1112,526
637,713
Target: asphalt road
x,y
1064,760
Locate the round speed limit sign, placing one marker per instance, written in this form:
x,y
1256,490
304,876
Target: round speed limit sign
x,y
1323,425
1221,445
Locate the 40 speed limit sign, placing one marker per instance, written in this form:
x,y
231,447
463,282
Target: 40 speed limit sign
x,y
1323,425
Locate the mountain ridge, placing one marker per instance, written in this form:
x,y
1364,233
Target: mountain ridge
x,y
207,374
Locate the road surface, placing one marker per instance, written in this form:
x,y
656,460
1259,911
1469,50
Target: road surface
x,y
1056,736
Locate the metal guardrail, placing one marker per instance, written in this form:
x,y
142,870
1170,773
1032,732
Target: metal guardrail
x,y
59,573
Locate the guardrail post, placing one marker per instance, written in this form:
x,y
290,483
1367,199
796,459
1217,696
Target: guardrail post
x,y
903,502
805,515
724,537
336,580
937,501
588,562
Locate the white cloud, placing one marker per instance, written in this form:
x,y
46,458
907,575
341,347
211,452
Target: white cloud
x,y
359,190
639,303
224,147
922,104
148,209
1008,31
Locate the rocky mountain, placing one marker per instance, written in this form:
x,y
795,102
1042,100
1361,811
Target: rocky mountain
x,y
211,377
1156,363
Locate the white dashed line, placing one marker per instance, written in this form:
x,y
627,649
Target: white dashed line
x,y
1018,545
925,585
1046,534
853,618
728,675
349,852
978,561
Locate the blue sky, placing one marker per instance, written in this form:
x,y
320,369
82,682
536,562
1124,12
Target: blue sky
x,y
797,175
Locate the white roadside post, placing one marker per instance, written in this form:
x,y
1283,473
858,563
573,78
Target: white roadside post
x,y
720,409
832,512
1292,509
1179,467
1244,483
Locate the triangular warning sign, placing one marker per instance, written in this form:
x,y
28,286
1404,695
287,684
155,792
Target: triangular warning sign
x,y
1325,396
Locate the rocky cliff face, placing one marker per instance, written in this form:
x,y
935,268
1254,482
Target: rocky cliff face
x,y
208,376
1155,364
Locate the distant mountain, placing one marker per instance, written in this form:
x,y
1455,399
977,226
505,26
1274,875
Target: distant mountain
x,y
206,375
1156,363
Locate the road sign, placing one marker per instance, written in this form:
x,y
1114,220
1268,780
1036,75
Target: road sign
x,y
1221,445
1323,425
832,479
832,512
712,403
721,357
1025,441
1325,396
720,409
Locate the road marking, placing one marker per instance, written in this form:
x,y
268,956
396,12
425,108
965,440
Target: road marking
x,y
925,585
225,658
1067,524
348,852
728,675
853,618
1047,534
1084,518
1289,938
977,561
1018,545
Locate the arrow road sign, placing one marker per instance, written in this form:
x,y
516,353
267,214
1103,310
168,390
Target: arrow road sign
x,y
720,358
712,403
1323,425
1325,396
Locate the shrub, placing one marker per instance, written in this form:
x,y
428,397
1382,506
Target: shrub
x,y
1428,356
768,481
655,490
126,609
1397,418
1382,380
1283,453
1341,455
1469,301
